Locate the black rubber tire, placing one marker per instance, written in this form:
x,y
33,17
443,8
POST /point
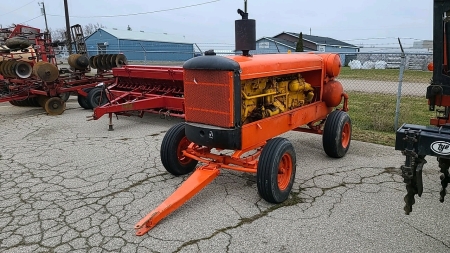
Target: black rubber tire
x,y
82,101
17,43
268,168
169,152
96,97
333,134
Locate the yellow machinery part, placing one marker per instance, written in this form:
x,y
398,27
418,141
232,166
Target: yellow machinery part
x,y
266,97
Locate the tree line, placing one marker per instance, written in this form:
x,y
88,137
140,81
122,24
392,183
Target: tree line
x,y
59,34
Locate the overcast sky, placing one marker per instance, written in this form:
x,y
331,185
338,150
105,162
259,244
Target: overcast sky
x,y
372,22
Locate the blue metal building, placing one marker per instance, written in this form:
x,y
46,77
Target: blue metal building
x,y
139,46
287,41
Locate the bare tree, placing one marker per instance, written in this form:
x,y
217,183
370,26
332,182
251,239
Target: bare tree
x,y
91,28
58,34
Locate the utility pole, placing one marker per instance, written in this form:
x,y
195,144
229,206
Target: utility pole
x,y
45,15
68,34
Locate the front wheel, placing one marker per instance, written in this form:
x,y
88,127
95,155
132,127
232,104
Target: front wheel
x,y
276,170
337,134
172,146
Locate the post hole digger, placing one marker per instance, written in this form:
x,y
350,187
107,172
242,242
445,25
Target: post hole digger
x,y
242,103
416,141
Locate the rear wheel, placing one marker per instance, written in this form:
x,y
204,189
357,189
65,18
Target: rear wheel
x,y
337,134
82,101
97,97
276,170
172,146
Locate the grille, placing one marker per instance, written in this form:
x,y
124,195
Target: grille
x,y
208,97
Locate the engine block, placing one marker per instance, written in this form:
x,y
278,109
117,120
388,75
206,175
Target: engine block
x,y
266,97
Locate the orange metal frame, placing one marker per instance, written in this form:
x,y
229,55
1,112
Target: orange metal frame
x,y
254,135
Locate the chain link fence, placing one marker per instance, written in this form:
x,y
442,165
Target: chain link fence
x,y
386,90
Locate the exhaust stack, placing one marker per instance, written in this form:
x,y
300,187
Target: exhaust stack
x,y
245,32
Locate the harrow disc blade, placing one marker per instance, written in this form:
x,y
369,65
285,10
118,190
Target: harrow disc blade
x,y
1,64
98,62
78,61
9,69
3,68
23,69
47,72
92,62
121,60
103,59
113,61
55,106
36,66
108,61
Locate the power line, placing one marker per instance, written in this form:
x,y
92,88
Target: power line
x,y
30,19
382,38
17,8
139,13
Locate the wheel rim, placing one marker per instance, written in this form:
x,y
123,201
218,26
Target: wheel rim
x,y
183,145
284,171
346,135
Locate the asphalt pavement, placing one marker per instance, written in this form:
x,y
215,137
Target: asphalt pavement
x,y
69,185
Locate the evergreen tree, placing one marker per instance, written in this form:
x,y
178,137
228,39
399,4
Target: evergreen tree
x,y
299,47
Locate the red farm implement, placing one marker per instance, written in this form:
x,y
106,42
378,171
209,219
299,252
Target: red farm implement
x,y
29,75
152,89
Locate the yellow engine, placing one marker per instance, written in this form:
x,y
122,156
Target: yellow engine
x,y
265,97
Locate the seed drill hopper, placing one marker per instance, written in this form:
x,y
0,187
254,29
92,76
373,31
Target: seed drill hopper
x,y
141,89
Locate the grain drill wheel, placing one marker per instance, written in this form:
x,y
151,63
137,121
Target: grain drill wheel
x,y
276,170
82,101
172,146
337,134
55,106
96,97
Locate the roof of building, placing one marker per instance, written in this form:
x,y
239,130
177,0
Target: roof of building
x,y
145,36
320,40
284,42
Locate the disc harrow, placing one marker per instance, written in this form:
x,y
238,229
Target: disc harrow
x,y
29,75
106,62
